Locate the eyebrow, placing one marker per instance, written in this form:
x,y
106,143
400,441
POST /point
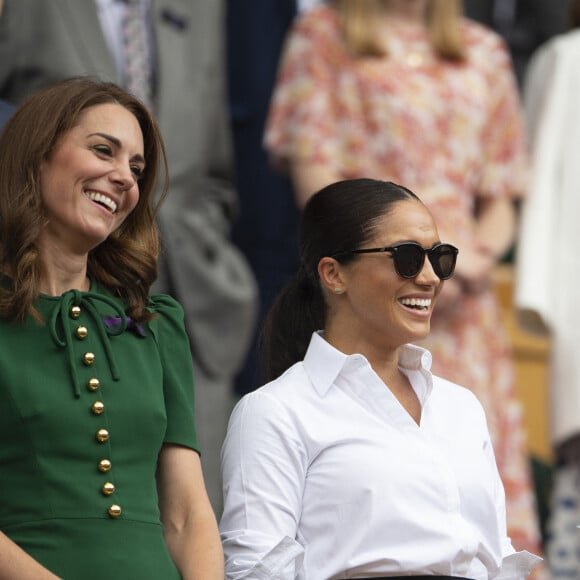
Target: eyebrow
x,y
117,143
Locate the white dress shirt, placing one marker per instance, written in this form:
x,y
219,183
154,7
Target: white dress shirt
x,y
326,476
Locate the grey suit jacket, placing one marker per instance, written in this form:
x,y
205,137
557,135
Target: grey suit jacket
x,y
44,41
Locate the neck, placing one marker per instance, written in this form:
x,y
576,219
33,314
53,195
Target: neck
x,y
55,283
406,12
63,271
383,358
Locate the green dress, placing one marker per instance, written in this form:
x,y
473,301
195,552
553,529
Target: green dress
x,y
86,402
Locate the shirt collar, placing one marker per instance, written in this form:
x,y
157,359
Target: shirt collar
x,y
324,363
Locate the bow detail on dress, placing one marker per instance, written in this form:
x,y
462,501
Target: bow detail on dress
x,y
135,327
88,301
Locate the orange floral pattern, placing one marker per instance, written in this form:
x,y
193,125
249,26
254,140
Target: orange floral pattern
x,y
449,131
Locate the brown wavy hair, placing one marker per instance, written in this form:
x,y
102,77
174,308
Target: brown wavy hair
x,y
126,262
358,20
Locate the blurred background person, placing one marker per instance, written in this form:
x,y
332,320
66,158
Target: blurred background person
x,y
266,230
524,24
548,270
409,91
171,54
101,476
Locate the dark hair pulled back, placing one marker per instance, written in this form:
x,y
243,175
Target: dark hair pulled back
x,y
340,217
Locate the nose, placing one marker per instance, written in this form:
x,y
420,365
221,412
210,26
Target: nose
x,y
427,276
123,176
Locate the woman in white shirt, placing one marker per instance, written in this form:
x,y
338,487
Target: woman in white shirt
x,y
357,462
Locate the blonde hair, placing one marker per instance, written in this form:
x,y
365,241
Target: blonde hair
x,y
359,17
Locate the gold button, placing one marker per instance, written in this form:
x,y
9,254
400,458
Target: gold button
x,y
108,488
104,465
75,312
93,384
115,511
82,332
98,407
102,435
89,358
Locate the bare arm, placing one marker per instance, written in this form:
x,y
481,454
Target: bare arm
x,y
308,178
495,226
16,563
190,527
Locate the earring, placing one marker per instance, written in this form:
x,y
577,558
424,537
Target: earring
x,y
338,290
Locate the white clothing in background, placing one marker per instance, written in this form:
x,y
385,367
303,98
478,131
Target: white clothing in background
x,y
548,255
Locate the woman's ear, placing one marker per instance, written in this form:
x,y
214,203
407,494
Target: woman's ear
x,y
331,276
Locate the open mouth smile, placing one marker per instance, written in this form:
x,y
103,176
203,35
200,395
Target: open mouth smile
x,y
102,200
416,303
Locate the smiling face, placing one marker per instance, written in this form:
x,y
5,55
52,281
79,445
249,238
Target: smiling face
x,y
377,308
89,181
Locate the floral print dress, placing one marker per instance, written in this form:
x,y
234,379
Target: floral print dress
x,y
452,132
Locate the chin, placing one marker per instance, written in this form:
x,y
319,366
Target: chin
x,y
95,240
421,334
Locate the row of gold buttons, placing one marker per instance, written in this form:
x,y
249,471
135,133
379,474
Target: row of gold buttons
x,y
97,408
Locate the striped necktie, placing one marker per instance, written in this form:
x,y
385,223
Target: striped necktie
x,y
138,77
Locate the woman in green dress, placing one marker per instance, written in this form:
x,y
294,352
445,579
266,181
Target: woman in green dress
x,y
99,468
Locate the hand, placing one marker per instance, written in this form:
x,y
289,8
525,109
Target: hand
x,y
449,297
474,269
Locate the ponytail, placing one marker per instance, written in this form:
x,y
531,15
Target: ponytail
x,y
298,311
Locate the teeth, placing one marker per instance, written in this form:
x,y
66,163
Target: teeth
x,y
103,200
416,302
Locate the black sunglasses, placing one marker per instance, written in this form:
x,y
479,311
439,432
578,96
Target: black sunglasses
x,y
409,258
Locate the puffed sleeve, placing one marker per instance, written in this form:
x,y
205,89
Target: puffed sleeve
x,y
504,161
303,113
264,469
169,332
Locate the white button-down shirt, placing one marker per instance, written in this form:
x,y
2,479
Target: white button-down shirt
x,y
326,476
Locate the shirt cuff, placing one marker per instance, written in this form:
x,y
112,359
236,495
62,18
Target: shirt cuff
x,y
517,566
282,562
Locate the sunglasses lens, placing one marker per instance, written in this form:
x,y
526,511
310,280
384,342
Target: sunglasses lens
x,y
443,259
409,259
